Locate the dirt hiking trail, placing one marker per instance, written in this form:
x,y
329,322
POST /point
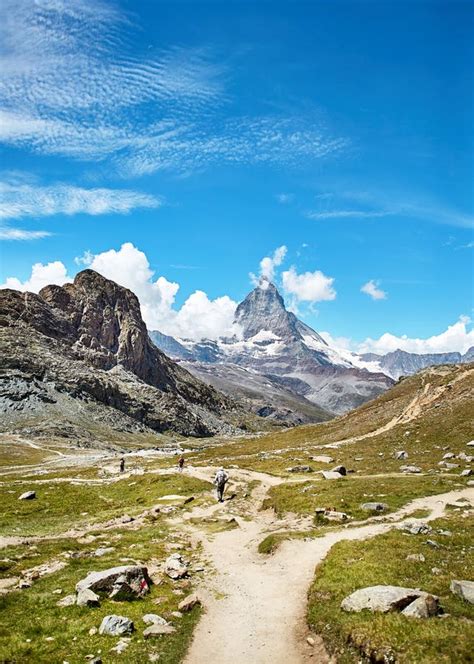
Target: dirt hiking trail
x,y
255,605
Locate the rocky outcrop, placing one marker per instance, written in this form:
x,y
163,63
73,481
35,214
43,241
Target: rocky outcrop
x,y
84,346
389,598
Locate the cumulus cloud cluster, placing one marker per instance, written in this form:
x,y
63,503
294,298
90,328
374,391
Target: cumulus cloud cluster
x,y
372,289
458,337
199,317
308,286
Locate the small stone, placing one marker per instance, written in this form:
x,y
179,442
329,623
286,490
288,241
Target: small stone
x,y
340,469
410,469
467,472
69,600
332,515
157,630
28,495
93,631
153,619
374,507
416,528
401,455
448,455
103,551
310,641
322,459
331,475
189,603
116,626
432,543
435,570
300,469
177,614
416,557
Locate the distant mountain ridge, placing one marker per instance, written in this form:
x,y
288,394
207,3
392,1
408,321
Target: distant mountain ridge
x,y
275,344
401,363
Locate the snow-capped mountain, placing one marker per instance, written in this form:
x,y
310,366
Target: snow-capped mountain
x,y
291,356
400,363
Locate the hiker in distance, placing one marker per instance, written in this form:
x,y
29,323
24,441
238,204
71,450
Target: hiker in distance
x,y
220,481
181,464
122,465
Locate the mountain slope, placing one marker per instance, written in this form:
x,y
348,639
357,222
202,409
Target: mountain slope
x,y
286,351
80,355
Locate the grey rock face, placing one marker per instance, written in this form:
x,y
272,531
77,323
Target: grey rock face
x,y
400,363
28,495
380,598
116,626
464,590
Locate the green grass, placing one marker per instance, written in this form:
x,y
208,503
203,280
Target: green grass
x,y
353,565
61,505
348,494
32,614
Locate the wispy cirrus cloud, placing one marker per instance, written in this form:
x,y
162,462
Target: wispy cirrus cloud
x,y
366,205
28,200
70,85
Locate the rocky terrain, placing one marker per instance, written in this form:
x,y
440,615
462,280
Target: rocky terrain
x,y
286,352
77,362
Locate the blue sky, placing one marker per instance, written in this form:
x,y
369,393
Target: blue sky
x,y
205,135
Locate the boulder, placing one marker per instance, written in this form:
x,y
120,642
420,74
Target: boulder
x,y
340,469
466,457
153,619
157,630
87,597
28,495
322,459
107,581
463,589
449,455
374,507
423,607
189,603
69,600
300,469
331,475
410,469
116,626
470,443
416,527
103,551
380,598
467,472
400,455
175,567
447,465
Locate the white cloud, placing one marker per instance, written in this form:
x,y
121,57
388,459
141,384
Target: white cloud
x,y
371,288
70,85
267,267
9,233
41,275
456,337
346,214
27,200
199,317
308,286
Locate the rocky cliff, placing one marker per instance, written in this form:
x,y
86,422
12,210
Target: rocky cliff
x,y
81,353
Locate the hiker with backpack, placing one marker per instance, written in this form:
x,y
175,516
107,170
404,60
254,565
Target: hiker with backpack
x,y
220,481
